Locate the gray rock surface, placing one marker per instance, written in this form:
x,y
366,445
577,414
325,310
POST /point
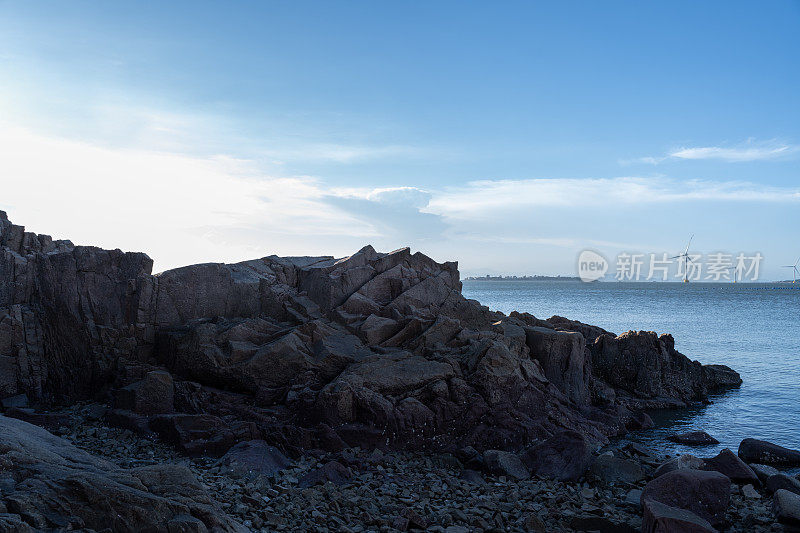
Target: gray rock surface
x,y
786,505
610,469
59,486
682,462
505,464
253,459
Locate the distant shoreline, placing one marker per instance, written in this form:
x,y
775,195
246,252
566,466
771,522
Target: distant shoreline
x,y
522,278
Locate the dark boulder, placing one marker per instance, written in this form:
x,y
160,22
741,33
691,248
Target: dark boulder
x,y
705,494
152,395
782,481
615,470
786,506
505,464
763,452
726,462
651,373
564,456
763,471
564,359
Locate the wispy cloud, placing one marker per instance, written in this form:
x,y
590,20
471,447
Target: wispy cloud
x,y
734,154
492,197
747,151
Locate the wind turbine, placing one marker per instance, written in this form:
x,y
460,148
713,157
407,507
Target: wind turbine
x,y
686,260
794,269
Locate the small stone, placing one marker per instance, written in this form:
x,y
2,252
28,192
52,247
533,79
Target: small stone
x,y
505,463
533,524
749,492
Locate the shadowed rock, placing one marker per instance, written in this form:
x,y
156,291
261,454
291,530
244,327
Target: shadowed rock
x,y
726,462
60,486
660,518
705,494
763,452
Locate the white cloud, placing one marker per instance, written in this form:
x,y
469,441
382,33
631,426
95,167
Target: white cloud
x,y
481,199
747,151
736,154
181,209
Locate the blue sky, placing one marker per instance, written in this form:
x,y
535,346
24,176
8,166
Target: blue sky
x,y
508,136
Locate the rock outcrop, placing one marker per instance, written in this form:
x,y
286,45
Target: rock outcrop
x,y
375,349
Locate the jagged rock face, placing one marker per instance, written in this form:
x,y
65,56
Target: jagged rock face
x,y
67,313
648,372
370,350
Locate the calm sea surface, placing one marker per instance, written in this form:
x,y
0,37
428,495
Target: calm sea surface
x,y
754,329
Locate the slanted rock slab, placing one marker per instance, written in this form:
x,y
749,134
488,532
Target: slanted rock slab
x,y
609,469
661,518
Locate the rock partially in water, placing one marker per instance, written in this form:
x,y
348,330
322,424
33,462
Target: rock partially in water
x,y
693,438
767,453
371,350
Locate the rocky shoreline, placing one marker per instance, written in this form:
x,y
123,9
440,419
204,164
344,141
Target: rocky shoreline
x,y
355,394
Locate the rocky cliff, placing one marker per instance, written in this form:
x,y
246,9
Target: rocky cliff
x,y
375,349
